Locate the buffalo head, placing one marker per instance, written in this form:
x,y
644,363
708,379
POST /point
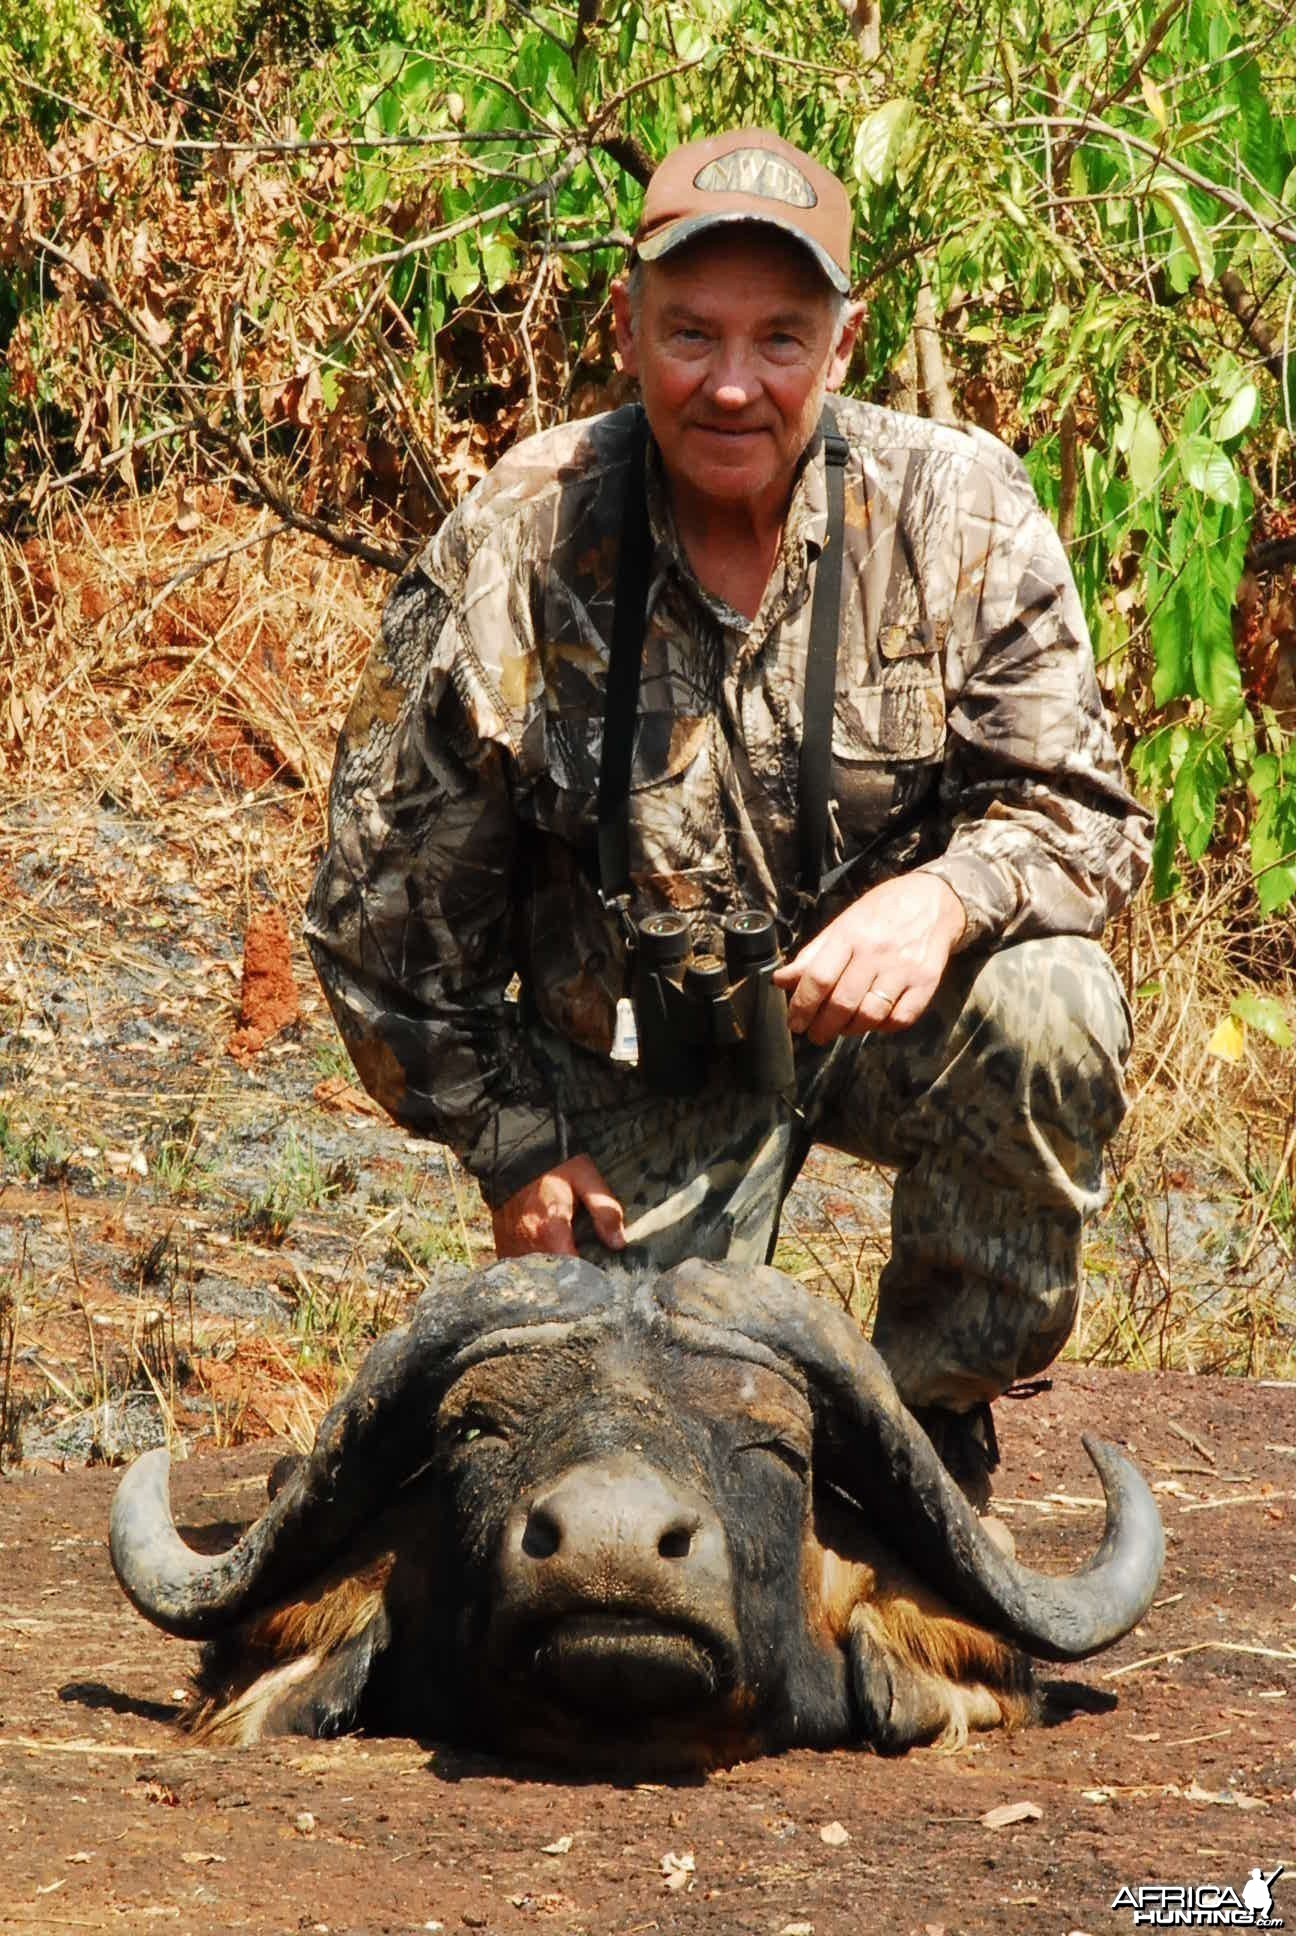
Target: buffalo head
x,y
671,1519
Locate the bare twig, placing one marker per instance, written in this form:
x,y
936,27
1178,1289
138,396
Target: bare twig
x,y
234,445
1190,1438
1238,204
1198,1647
1236,1499
1130,80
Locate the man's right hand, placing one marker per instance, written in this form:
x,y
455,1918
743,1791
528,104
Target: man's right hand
x,y
539,1215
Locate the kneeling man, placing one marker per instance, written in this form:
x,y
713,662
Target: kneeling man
x,y
855,696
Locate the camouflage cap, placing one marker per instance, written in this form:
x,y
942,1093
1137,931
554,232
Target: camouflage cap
x,y
747,175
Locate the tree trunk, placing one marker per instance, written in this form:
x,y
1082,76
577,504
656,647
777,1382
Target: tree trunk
x,y
937,401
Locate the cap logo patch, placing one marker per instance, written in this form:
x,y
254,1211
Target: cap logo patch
x,y
755,171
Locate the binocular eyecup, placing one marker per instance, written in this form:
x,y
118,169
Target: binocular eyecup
x,y
692,1006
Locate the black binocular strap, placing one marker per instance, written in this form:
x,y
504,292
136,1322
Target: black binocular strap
x,y
820,694
634,570
621,702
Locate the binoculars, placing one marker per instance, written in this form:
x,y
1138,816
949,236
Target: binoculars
x,y
690,1008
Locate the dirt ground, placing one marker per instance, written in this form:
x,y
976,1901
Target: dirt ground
x,y
1184,1772
201,1233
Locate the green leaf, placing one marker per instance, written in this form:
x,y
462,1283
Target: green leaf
x,y
1238,412
497,263
1273,849
1208,469
1188,227
1139,439
879,141
1262,1012
627,37
1166,878
1264,775
1199,782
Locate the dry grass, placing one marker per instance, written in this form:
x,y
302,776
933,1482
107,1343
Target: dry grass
x,y
173,654
169,656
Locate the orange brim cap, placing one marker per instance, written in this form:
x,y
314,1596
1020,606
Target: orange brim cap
x,y
748,175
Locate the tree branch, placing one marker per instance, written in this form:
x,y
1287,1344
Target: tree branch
x,y
1124,88
587,13
235,446
630,154
1069,484
1225,197
1273,353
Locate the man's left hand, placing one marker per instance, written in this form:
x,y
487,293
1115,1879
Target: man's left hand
x,y
878,964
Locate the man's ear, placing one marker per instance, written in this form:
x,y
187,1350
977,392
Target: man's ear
x,y
845,346
627,347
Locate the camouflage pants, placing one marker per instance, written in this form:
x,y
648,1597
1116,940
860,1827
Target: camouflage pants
x,y
994,1110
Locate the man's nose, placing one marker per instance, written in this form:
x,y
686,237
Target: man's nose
x,y
733,383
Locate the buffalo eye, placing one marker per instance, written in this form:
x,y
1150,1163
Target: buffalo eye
x,y
474,1428
792,1456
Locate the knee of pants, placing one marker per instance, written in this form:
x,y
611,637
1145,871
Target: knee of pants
x,y
1050,1020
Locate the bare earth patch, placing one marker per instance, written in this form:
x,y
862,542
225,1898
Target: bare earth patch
x,y
203,1247
109,1821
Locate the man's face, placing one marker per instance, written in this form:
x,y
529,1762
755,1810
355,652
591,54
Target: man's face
x,y
734,344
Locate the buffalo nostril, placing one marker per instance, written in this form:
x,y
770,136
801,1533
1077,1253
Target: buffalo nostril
x,y
542,1535
677,1541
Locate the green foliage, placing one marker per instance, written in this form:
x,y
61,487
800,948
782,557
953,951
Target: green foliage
x,y
1102,202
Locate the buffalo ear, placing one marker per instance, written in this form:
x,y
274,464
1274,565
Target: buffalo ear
x,y
920,1674
319,1695
329,1702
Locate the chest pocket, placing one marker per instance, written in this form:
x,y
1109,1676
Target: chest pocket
x,y
666,745
897,715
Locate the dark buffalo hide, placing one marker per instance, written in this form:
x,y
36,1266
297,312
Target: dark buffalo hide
x,y
624,1521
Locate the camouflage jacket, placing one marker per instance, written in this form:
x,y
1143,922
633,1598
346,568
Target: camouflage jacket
x,y
462,812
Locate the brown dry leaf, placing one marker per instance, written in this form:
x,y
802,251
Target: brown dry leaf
x,y
1009,1812
187,517
155,327
834,1835
560,1847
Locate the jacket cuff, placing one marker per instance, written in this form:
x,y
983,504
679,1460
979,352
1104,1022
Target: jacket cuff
x,y
987,903
519,1144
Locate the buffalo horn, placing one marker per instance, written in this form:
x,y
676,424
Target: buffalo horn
x,y
375,1437
877,1453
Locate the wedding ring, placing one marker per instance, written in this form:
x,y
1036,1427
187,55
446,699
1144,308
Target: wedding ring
x,y
882,995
